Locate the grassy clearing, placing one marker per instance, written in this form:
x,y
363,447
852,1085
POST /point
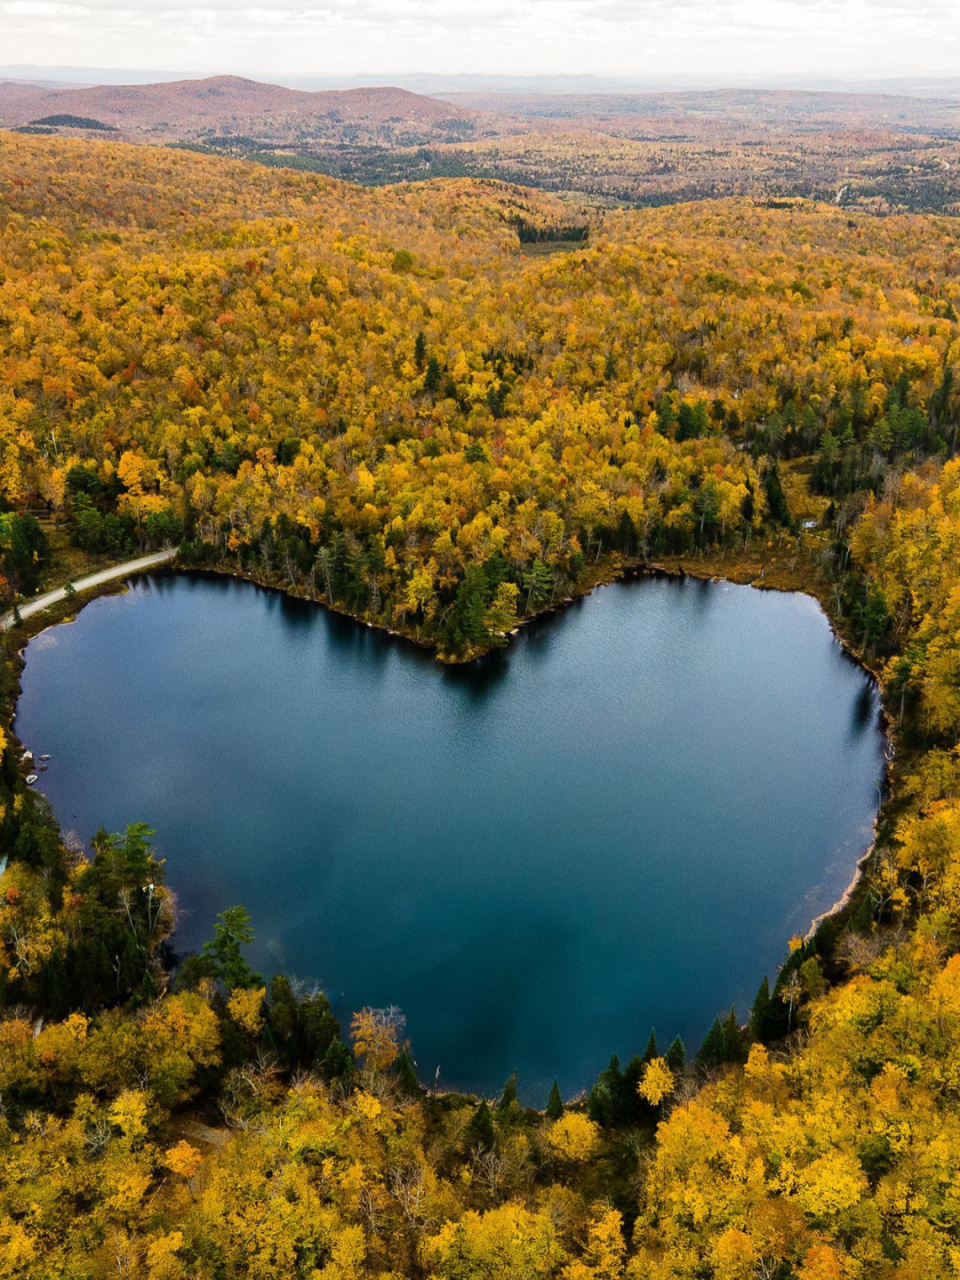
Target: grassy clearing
x,y
67,562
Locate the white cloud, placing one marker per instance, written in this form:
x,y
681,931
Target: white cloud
x,y
637,38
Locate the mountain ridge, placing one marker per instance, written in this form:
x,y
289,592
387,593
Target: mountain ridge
x,y
218,100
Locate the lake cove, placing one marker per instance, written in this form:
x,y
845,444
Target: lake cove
x,y
614,826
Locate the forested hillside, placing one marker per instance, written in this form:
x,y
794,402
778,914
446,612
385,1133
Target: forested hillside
x,y
376,399
370,396
223,107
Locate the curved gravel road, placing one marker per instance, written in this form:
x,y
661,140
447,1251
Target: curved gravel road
x,y
91,580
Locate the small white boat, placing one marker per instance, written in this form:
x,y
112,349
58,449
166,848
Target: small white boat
x,y
31,779
46,757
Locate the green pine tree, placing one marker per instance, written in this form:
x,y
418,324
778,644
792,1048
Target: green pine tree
x,y
605,1094
406,1075
711,1052
676,1056
282,1019
508,1097
232,931
734,1046
318,1028
776,498
554,1103
538,583
480,1134
337,1061
631,1108
431,379
760,1018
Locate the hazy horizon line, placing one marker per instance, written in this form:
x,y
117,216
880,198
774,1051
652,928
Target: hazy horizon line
x,y
107,76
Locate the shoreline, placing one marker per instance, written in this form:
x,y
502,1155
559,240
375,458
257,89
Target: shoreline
x,y
610,570
846,897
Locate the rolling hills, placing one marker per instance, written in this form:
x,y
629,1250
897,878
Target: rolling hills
x,y
192,109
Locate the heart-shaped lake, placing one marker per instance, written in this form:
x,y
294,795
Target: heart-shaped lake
x,y
616,825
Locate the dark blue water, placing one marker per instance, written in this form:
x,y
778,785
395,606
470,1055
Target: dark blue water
x,y
616,826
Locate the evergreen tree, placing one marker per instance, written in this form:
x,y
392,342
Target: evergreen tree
x,y
496,397
468,616
627,535
873,616
747,507
760,1014
734,1045
538,583
724,1042
480,1134
406,1075
318,1028
420,351
710,1053
940,398
282,1020
605,1094
676,1056
665,416
776,498
631,1108
508,1097
337,1061
431,379
232,931
651,1050
554,1103
686,429
25,551
121,902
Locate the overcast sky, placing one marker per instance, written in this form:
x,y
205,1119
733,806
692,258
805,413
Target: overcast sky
x,y
642,39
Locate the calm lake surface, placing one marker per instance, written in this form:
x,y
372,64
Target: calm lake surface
x,y
615,826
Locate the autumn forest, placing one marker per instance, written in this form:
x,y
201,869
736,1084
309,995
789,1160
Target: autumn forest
x,y
443,408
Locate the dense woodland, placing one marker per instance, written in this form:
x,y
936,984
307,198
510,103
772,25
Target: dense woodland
x,y
370,397
375,399
610,163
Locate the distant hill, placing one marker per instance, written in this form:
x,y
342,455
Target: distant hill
x,y
221,108
757,109
19,102
186,109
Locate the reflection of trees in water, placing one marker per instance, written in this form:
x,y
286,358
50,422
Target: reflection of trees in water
x,y
478,678
161,581
299,615
701,591
865,708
